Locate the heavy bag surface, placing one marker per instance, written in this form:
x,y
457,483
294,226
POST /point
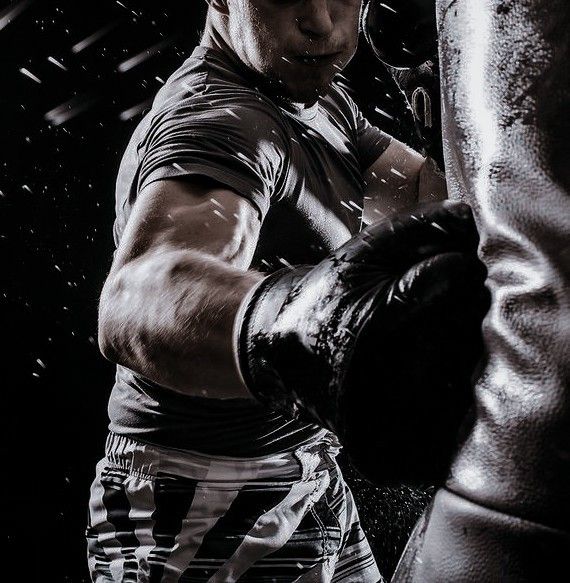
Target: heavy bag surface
x,y
504,514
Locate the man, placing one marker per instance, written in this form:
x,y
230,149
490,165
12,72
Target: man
x,y
250,160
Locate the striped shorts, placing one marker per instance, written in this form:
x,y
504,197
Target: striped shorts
x,y
160,515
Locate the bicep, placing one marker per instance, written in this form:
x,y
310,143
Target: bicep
x,y
191,214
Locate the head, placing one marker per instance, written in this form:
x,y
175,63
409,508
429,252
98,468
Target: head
x,y
299,44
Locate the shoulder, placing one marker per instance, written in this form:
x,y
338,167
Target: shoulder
x,y
203,94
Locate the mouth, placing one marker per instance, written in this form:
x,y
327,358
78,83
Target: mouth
x,y
317,60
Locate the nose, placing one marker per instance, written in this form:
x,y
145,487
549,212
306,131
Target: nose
x,y
315,20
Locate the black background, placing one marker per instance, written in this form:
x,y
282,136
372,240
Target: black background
x,y
56,212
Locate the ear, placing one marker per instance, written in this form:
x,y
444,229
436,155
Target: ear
x,y
219,5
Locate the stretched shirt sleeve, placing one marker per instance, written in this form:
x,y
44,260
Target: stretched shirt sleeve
x,y
236,142
371,141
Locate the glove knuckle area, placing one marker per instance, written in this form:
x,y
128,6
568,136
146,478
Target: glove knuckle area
x,y
444,277
406,238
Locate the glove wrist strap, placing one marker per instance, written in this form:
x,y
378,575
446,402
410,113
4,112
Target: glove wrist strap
x,y
252,332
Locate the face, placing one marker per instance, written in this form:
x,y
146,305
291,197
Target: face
x,y
300,44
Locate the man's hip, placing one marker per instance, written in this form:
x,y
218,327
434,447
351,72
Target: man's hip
x,y
160,515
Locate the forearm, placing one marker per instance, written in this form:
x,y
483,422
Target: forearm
x,y
399,180
169,316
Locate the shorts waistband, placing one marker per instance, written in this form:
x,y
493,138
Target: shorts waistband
x,y
151,460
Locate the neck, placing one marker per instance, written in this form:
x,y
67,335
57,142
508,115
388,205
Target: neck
x,y
216,37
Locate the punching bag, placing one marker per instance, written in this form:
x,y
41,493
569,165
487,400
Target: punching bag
x,y
504,513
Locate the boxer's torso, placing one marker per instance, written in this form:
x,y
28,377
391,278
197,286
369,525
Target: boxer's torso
x,y
302,170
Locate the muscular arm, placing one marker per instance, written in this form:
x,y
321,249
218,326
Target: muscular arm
x,y
398,180
168,305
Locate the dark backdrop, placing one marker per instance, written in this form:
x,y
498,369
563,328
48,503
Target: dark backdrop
x,y
76,76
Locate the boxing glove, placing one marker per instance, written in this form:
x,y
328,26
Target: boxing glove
x,y
388,325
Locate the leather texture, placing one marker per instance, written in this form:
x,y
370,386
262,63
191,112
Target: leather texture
x,y
376,342
506,102
463,542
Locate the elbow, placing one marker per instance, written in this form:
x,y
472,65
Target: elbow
x,y
106,340
107,335
106,345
